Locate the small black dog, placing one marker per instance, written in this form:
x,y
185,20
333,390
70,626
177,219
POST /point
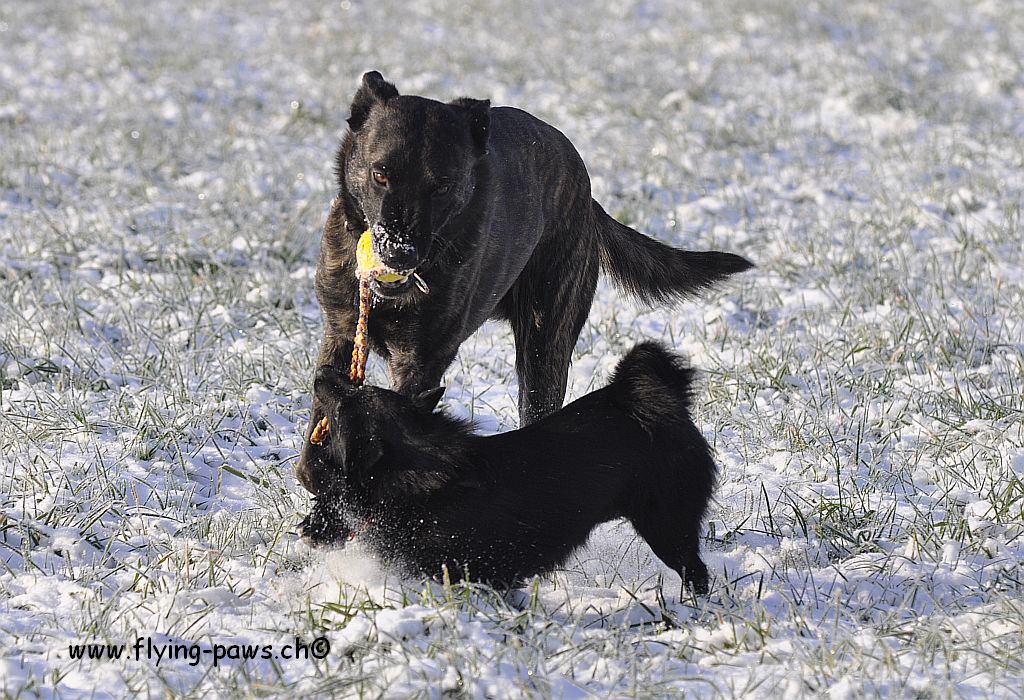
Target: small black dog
x,y
491,209
425,492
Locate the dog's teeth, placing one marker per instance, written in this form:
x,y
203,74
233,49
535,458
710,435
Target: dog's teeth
x,y
420,283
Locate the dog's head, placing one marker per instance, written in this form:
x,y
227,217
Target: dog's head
x,y
407,167
365,422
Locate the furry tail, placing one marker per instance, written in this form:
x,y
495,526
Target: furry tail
x,y
655,272
654,386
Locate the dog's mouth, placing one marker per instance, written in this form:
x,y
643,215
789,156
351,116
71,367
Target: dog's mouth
x,y
392,284
386,281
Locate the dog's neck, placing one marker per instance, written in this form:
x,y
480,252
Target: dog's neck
x,y
441,444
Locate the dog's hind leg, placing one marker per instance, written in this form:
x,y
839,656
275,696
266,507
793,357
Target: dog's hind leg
x,y
674,537
547,307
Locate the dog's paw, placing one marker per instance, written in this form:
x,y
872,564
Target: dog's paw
x,y
695,580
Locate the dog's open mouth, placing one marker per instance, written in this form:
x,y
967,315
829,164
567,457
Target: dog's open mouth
x,y
392,285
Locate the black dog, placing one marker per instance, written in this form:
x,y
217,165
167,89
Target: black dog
x,y
428,493
491,208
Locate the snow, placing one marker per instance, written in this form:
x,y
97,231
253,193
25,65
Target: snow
x,y
166,168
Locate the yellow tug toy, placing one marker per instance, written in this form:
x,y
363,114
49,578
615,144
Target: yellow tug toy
x,y
369,266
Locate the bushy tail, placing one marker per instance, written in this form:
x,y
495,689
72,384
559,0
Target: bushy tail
x,y
655,272
654,386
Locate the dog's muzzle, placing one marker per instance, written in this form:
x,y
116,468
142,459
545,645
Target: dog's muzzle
x,y
388,265
399,256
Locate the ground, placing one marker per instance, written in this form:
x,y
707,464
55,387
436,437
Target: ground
x,y
164,174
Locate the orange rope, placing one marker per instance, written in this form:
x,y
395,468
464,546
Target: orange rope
x,y
357,369
320,431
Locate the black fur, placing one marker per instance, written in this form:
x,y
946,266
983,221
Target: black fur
x,y
492,207
426,492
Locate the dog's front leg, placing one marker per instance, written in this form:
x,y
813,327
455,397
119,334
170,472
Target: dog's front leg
x,y
337,292
414,370
546,327
337,352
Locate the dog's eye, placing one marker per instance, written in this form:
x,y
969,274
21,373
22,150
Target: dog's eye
x,y
379,177
442,190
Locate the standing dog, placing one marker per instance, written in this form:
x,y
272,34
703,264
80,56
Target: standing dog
x,y
490,209
425,492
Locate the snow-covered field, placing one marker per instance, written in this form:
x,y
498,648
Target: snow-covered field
x,y
165,168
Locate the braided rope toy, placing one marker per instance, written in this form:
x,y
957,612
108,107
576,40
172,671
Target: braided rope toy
x,y
368,268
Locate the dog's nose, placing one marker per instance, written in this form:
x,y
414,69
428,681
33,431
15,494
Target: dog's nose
x,y
399,256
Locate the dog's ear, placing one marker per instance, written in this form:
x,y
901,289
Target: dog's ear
x,y
478,114
373,90
427,401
